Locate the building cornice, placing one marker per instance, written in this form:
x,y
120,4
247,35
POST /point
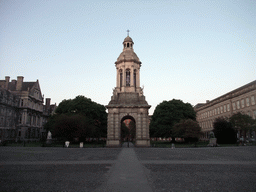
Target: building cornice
x,y
230,95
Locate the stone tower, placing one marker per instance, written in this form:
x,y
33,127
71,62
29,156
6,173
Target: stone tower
x,y
128,101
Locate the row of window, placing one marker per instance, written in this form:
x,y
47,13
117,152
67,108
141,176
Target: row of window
x,y
33,120
33,133
209,124
241,104
31,104
223,109
226,108
6,122
8,100
5,111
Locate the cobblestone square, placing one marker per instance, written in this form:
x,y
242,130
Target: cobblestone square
x,y
128,169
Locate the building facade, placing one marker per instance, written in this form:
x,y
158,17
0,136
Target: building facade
x,y
9,104
22,109
128,101
239,100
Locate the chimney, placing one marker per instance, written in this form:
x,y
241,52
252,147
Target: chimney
x,y
7,79
47,102
207,101
19,83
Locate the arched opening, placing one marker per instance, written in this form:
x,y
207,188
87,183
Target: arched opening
x,y
121,77
128,129
128,78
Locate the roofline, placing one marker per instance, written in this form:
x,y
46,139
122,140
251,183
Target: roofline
x,y
228,95
128,60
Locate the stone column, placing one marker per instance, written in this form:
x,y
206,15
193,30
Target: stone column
x,y
138,78
131,78
110,126
147,128
124,76
144,126
138,128
117,78
116,127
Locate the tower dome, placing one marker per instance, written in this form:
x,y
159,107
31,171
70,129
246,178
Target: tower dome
x,y
128,39
128,53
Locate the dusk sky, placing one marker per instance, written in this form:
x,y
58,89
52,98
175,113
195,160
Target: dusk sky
x,y
190,50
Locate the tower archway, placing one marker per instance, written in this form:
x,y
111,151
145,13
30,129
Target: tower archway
x,y
128,129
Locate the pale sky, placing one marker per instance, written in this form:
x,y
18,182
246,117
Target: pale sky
x,y
190,50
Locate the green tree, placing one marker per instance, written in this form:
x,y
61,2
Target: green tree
x,y
78,117
69,127
242,123
167,114
187,129
223,131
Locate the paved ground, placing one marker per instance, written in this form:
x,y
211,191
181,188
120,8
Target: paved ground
x,y
127,169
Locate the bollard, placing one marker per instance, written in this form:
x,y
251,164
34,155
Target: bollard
x,y
81,144
67,144
173,146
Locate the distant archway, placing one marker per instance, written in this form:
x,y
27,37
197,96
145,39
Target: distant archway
x,y
128,129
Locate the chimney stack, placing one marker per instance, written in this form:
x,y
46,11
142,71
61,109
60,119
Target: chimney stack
x,y
7,80
47,102
19,83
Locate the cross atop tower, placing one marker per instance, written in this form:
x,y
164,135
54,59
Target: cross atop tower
x,y
128,32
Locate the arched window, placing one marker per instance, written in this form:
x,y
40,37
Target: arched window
x,y
134,77
128,77
127,44
121,77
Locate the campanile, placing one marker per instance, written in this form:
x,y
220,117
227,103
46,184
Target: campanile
x,y
128,101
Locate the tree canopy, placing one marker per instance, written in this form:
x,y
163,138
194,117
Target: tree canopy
x,y
167,114
242,122
223,131
79,117
187,129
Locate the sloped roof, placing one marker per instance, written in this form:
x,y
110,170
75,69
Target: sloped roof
x,y
25,86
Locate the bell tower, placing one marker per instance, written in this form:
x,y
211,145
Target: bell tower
x,y
128,100
128,69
